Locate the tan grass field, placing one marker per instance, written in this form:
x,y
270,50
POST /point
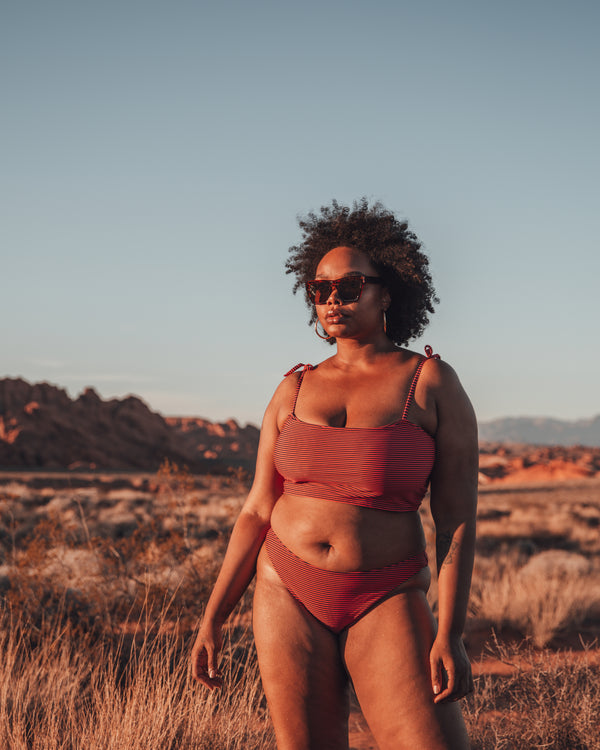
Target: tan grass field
x,y
103,577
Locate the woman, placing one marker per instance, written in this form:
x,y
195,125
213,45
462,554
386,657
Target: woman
x,y
331,524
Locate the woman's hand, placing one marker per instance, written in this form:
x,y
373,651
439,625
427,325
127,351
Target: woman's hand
x,y
451,676
205,656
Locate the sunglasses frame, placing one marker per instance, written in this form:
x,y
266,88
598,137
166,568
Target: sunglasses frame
x,y
335,285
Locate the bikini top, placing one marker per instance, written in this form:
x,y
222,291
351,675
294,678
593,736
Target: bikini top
x,y
385,468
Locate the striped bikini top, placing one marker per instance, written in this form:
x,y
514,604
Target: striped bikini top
x,y
385,468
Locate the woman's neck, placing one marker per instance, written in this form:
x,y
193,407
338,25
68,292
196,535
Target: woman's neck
x,y
352,353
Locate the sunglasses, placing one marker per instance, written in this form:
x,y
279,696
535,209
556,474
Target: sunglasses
x,y
348,289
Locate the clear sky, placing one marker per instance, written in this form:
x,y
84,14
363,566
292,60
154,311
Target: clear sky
x,y
154,156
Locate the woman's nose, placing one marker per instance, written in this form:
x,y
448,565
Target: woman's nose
x,y
334,296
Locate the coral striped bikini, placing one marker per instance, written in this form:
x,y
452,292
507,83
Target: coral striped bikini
x,y
384,468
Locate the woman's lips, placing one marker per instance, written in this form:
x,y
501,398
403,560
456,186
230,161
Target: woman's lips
x,y
334,317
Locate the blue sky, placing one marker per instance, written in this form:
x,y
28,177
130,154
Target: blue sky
x,y
155,156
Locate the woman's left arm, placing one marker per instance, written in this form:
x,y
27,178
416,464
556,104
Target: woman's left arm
x,y
453,507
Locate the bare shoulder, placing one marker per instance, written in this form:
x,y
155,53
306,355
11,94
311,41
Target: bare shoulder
x,y
267,485
282,401
440,391
454,477
439,375
286,387
436,374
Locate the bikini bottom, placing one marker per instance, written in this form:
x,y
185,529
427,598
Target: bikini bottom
x,y
338,599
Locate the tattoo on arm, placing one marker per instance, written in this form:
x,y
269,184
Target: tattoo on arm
x,y
445,547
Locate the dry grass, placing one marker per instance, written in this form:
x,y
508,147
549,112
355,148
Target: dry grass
x,y
103,578
544,702
537,570
537,582
102,588
67,689
553,592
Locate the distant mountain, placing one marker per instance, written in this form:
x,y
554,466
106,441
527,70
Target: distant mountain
x,y
41,426
542,431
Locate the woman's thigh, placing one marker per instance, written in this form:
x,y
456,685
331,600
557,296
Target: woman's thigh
x,y
387,656
301,669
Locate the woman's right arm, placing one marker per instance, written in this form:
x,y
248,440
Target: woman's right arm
x,y
246,540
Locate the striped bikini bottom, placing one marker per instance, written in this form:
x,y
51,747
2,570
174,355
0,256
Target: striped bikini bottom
x,y
338,599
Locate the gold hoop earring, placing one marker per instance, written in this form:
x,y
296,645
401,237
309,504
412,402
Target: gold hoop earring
x,y
384,322
326,337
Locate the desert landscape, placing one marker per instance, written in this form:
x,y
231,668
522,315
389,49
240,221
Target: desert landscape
x,y
104,574
113,524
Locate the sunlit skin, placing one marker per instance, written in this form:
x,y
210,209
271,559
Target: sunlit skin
x,y
407,670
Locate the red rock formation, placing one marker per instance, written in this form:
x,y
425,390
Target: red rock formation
x,y
227,441
40,426
520,463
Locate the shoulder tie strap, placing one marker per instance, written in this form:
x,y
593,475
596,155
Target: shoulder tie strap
x,y
413,385
430,354
305,369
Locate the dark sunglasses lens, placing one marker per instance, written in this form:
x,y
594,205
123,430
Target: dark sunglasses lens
x,y
349,289
320,291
